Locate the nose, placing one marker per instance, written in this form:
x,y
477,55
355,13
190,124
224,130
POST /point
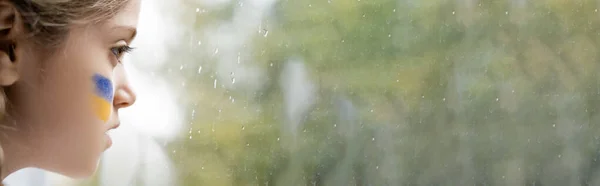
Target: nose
x,y
124,97
124,94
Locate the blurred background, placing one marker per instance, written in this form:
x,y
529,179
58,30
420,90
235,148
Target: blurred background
x,y
358,93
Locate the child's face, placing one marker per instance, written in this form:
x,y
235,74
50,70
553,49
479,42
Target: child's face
x,y
67,101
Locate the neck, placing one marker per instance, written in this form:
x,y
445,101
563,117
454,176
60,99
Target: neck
x,y
16,153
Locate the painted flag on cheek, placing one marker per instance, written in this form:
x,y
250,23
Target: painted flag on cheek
x,y
103,97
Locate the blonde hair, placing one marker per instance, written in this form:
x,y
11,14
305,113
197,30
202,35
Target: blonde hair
x,y
48,23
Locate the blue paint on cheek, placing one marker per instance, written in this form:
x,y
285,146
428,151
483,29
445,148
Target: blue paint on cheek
x,y
104,87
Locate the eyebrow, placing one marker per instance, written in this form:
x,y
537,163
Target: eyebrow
x,y
131,30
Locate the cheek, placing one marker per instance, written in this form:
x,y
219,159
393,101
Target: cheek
x,y
102,98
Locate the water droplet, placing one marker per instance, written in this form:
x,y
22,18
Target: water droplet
x,y
190,137
199,69
397,80
197,9
497,99
595,10
371,110
180,67
199,42
423,97
453,12
506,12
559,156
247,144
215,84
372,139
202,168
389,35
553,125
174,151
377,167
343,40
443,99
198,132
243,127
363,14
271,64
277,139
216,50
239,59
334,125
232,80
309,5
233,100
265,33
394,10
513,91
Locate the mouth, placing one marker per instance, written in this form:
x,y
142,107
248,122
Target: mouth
x,y
114,126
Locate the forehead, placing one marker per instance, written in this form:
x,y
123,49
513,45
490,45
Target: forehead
x,y
128,16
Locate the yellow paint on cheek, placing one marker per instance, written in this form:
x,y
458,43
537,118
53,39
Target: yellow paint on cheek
x,y
101,108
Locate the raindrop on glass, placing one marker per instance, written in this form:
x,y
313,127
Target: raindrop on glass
x,y
197,9
443,99
180,67
372,139
232,80
277,139
453,12
216,50
199,69
389,35
506,12
199,42
394,10
243,127
497,99
215,84
265,33
553,125
190,137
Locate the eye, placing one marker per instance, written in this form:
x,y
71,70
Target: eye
x,y
120,51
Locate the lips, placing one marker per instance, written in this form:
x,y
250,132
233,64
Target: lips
x,y
114,126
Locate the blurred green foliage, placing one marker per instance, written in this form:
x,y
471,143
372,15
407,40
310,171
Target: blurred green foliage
x,y
465,92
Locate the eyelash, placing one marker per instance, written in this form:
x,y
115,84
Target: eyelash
x,y
120,50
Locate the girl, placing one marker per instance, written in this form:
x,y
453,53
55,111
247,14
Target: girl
x,y
62,81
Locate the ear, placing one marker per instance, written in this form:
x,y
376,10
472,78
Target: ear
x,y
10,29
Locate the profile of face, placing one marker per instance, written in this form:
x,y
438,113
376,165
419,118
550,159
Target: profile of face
x,y
62,102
